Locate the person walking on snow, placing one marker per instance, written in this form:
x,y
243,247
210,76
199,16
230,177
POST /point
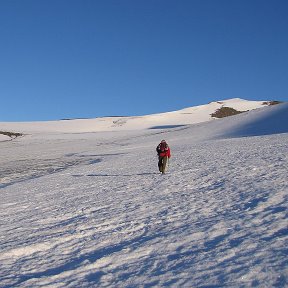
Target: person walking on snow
x,y
164,154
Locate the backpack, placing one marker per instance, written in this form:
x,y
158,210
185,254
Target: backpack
x,y
162,147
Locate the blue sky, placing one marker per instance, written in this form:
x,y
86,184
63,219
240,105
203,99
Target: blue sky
x,y
89,58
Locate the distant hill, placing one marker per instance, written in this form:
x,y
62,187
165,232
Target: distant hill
x,y
187,116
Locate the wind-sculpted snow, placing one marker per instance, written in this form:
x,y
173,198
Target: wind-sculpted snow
x,y
22,170
106,218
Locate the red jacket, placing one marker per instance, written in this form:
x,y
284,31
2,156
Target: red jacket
x,y
163,150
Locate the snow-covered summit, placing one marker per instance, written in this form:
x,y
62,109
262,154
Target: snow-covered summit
x,y
187,116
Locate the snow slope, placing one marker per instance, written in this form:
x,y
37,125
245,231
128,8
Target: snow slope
x,y
90,209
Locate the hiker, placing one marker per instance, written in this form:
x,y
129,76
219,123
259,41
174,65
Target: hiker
x,y
164,154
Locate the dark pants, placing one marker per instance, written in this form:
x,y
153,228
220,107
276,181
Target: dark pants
x,y
162,163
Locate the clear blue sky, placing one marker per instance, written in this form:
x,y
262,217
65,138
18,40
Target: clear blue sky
x,y
89,58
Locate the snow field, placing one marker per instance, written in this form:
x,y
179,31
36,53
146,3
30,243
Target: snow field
x,y
217,218
91,210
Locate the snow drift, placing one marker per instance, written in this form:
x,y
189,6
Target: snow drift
x,y
266,121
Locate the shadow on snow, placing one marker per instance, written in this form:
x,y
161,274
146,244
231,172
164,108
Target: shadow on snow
x,y
116,175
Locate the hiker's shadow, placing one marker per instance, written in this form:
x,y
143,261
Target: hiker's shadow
x,y
125,175
116,175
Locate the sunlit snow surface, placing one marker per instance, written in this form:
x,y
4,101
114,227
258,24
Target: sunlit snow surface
x,y
91,210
